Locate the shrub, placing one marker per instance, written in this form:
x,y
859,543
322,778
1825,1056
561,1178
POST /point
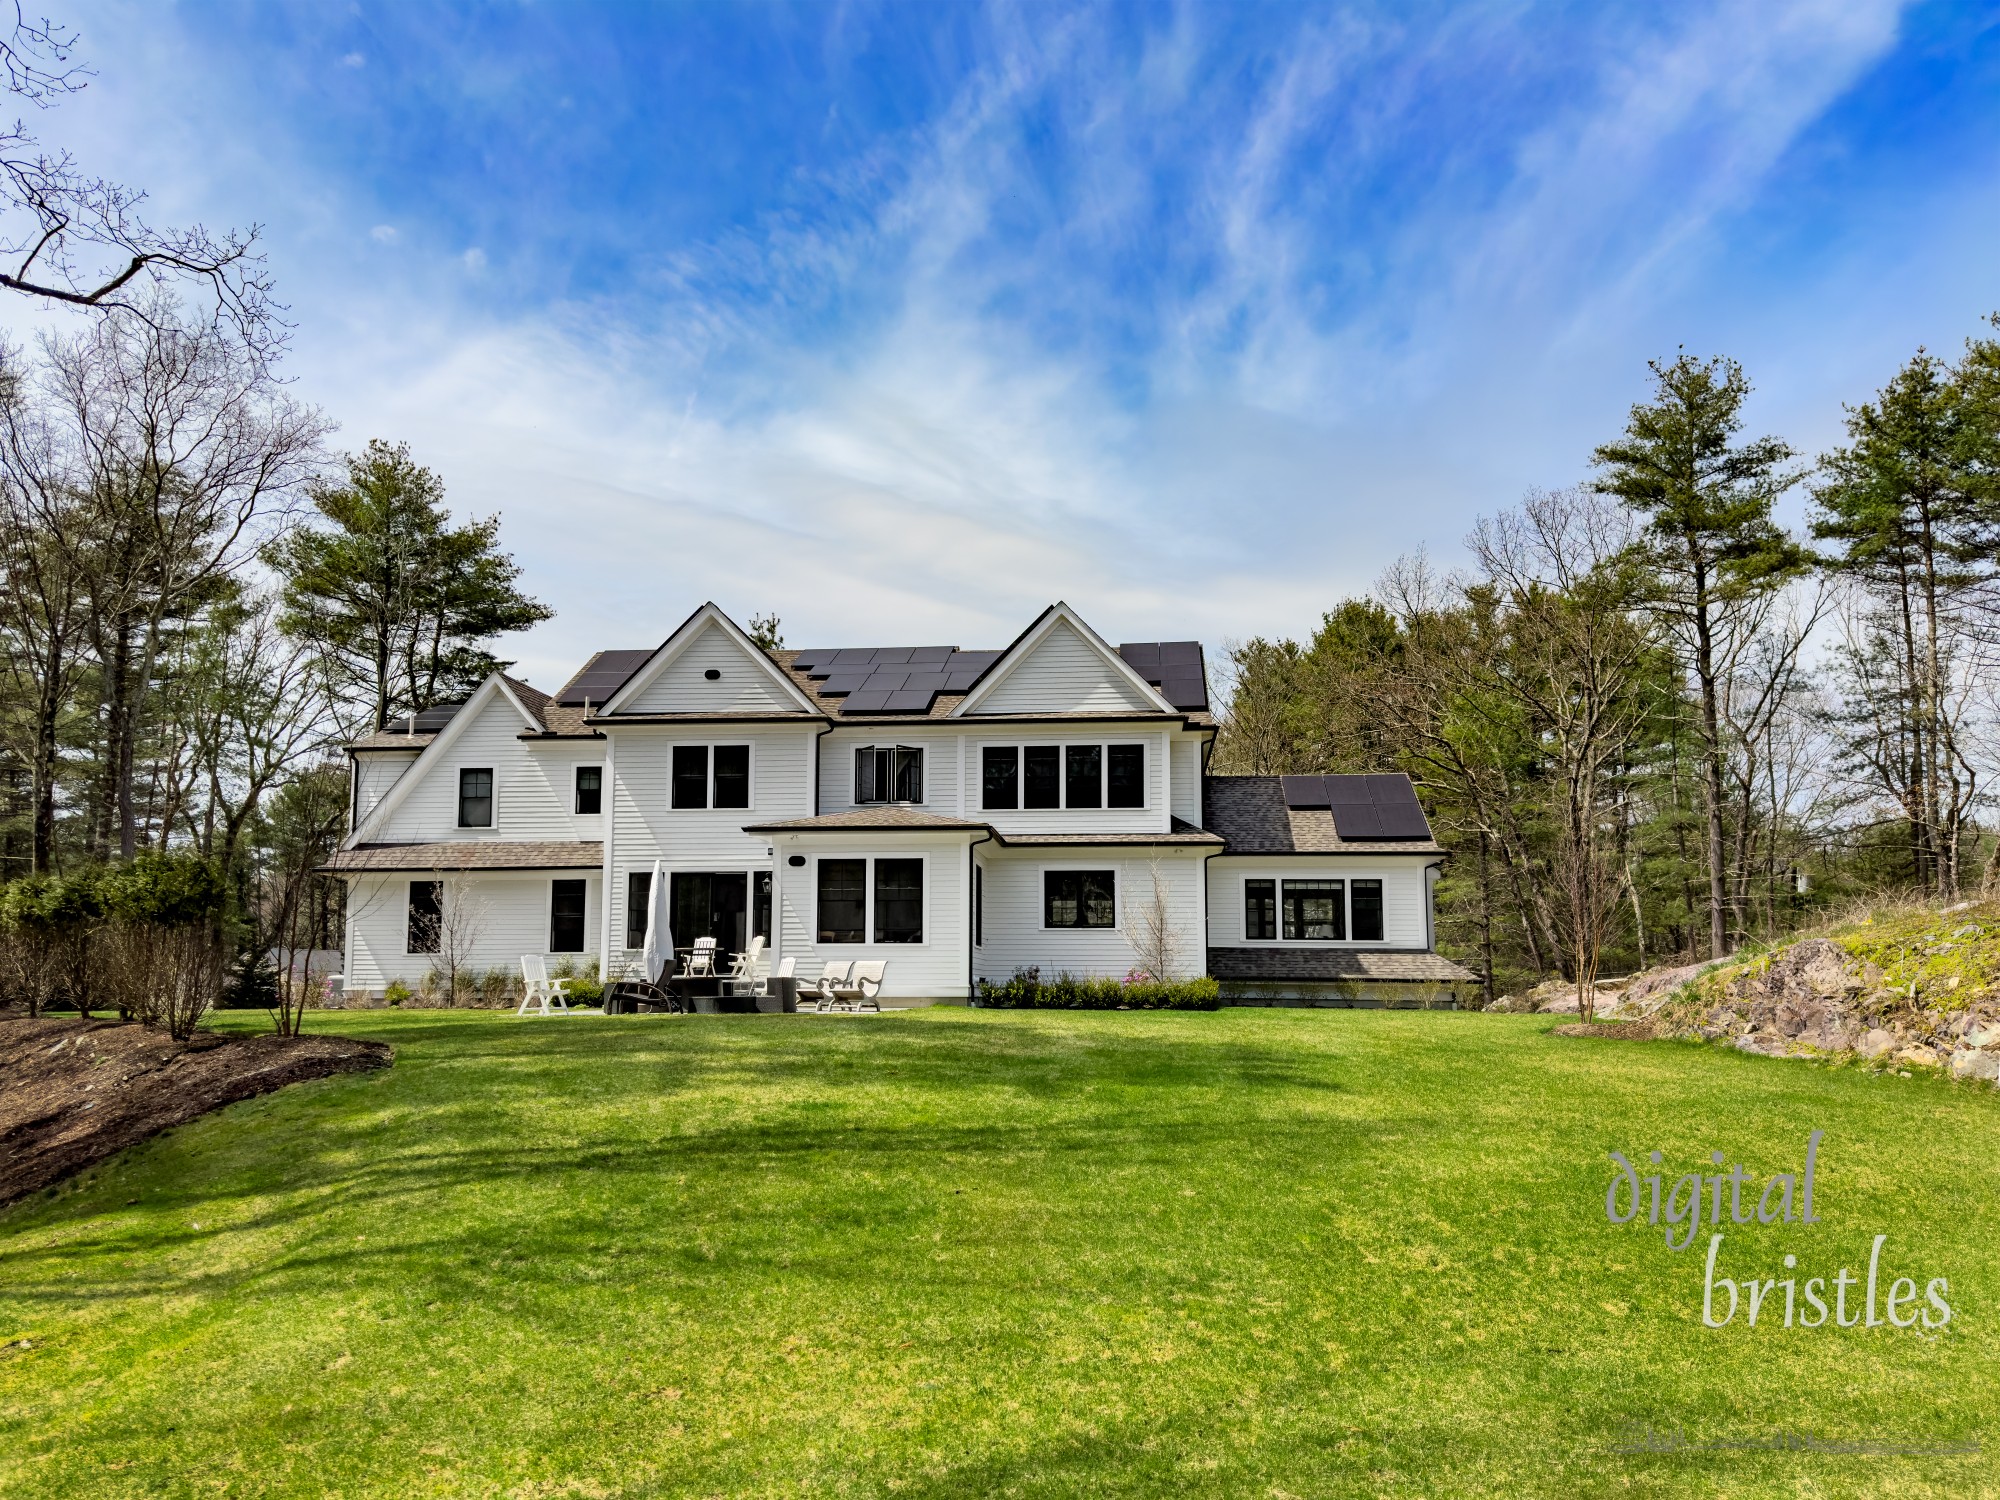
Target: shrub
x,y
496,986
251,982
49,930
165,931
1027,990
398,993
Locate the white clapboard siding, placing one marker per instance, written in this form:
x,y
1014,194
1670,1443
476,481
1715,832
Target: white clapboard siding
x,y
934,969
375,771
511,918
682,686
1187,777
1404,917
647,827
534,785
1015,937
1063,673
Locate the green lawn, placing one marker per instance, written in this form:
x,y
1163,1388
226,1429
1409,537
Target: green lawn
x,y
970,1253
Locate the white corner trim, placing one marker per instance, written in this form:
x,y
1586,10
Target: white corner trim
x,y
1057,613
681,639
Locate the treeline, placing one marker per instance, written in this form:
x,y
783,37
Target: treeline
x,y
201,604
1650,722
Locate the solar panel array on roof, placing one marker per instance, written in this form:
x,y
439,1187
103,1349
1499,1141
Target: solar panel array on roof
x,y
1363,807
892,679
429,720
603,675
1174,667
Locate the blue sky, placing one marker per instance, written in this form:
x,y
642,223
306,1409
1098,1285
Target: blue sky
x,y
904,320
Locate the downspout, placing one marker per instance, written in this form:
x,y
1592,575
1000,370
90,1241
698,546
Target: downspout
x,y
971,916
824,730
610,795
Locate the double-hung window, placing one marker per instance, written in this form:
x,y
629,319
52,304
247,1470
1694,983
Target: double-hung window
x,y
1050,777
710,776
475,797
871,900
1312,911
888,773
1079,898
566,909
589,790
426,916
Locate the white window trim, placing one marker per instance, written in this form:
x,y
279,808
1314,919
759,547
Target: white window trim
x,y
868,904
603,787
458,801
549,918
1020,747
1117,869
709,745
854,786
1347,898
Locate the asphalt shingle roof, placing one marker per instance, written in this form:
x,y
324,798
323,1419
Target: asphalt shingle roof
x,y
471,854
1250,814
1277,962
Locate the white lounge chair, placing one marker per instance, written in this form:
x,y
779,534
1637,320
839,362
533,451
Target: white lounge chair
x,y
538,990
862,985
820,991
742,978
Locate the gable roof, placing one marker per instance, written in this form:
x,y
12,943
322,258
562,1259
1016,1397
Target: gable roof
x,y
496,685
709,616
1057,615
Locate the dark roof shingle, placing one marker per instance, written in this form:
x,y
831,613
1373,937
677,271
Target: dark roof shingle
x,y
471,854
1280,963
1250,814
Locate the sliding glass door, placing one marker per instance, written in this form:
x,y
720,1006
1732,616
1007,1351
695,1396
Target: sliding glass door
x,y
728,905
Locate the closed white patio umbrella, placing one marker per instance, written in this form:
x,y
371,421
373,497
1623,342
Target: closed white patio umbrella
x,y
658,953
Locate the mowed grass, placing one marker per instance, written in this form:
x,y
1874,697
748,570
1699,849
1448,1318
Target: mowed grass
x,y
968,1253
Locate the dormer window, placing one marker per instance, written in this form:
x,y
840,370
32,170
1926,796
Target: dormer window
x,y
888,773
475,798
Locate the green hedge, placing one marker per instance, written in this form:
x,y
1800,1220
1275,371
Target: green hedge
x,y
1027,990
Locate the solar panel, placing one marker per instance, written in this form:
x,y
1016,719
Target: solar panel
x,y
1304,791
910,701
1174,667
1357,820
601,676
843,682
872,700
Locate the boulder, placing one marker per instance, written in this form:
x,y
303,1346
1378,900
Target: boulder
x,y
1919,1057
1986,1034
1875,1043
1562,1005
1984,1066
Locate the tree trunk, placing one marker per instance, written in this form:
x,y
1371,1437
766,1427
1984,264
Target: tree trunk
x,y
1485,921
1704,657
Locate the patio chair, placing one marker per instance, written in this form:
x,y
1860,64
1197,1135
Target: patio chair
x,y
700,960
859,989
820,991
786,966
742,978
537,989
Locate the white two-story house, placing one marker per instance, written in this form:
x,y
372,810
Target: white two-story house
x,y
959,814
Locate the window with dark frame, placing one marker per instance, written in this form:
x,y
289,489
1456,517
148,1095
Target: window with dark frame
x,y
843,901
589,790
1079,898
475,798
638,897
899,901
888,773
1125,776
566,901
1000,778
732,775
1260,910
1315,911
690,776
1041,776
426,916
1083,775
1365,898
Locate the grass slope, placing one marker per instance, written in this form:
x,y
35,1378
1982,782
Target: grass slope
x,y
960,1253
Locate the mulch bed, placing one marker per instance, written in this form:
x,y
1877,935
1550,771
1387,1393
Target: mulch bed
x,y
1610,1031
73,1092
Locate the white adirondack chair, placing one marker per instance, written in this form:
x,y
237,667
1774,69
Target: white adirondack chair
x,y
537,989
743,968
